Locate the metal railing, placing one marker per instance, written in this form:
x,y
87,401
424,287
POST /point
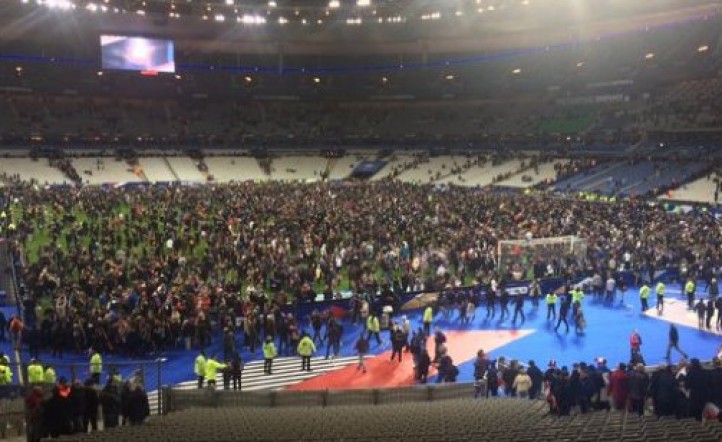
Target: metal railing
x,y
177,399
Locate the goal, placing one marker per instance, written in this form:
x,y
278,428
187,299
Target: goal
x,y
522,257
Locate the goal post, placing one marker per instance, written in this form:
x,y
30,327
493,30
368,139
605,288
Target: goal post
x,y
520,257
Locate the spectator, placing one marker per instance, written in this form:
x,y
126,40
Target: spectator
x,y
58,411
522,384
638,389
110,404
138,408
619,387
663,390
92,402
34,415
697,382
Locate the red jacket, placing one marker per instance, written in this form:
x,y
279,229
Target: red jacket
x,y
619,388
635,341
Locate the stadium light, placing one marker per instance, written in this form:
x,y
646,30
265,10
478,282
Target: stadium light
x,y
334,4
516,71
219,18
363,3
282,20
272,4
59,4
92,7
229,2
649,55
703,48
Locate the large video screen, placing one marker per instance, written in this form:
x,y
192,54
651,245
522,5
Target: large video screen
x,y
137,53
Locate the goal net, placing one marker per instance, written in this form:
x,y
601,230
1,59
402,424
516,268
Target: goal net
x,y
538,257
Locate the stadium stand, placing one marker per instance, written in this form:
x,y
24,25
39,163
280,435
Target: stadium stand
x,y
37,170
156,169
342,167
298,168
99,170
452,419
702,190
225,169
542,173
185,169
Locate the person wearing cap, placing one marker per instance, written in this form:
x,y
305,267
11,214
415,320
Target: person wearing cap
x,y
269,354
36,373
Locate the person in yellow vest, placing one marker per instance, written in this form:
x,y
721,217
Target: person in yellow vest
x,y
660,289
96,367
269,354
689,289
36,374
306,349
428,318
212,367
199,367
49,377
551,299
577,297
644,292
6,374
373,327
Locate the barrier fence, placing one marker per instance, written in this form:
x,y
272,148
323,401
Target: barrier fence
x,y
176,399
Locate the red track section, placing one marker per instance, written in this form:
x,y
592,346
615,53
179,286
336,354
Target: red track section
x,y
381,373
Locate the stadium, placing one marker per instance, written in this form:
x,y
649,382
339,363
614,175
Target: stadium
x,y
487,220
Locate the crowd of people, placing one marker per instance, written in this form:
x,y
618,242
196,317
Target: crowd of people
x,y
684,390
137,271
77,407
